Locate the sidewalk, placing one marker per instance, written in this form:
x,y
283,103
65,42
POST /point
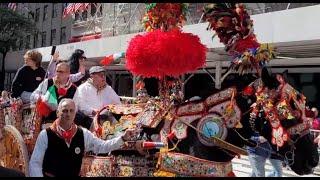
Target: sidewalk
x,y
241,168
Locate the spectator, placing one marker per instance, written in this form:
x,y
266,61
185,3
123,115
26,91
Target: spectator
x,y
29,76
93,95
258,156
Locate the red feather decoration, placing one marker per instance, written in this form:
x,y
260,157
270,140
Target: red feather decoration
x,y
244,44
158,54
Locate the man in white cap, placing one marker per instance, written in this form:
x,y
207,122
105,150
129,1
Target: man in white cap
x,y
93,95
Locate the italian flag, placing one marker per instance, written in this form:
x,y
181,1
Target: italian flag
x,y
48,103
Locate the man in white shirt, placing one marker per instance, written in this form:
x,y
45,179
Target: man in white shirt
x,y
93,95
60,148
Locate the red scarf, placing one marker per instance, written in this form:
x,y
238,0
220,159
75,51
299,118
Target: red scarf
x,y
67,135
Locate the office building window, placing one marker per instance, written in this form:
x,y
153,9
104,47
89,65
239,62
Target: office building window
x,y
28,42
93,9
20,44
53,36
77,16
45,12
63,36
54,10
35,40
84,15
100,10
31,15
43,39
37,14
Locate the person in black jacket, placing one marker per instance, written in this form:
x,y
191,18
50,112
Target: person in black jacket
x,y
75,60
29,76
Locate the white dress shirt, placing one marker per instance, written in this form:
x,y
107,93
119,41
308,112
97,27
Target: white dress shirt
x,y
87,98
91,143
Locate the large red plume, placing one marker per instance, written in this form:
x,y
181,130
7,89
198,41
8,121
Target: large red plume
x,y
158,54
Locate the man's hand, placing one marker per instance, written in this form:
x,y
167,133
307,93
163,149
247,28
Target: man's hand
x,y
139,147
128,134
55,56
82,67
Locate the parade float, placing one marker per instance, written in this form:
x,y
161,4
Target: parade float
x,y
185,137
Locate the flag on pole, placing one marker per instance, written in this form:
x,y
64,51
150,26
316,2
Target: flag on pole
x,y
68,9
81,6
112,58
78,6
48,102
12,6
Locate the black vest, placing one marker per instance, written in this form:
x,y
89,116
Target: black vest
x,y
61,160
70,93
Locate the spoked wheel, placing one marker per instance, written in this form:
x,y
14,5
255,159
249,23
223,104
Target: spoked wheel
x,y
13,151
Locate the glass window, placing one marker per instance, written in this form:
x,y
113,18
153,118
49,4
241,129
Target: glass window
x,y
63,37
54,10
37,14
31,15
20,44
100,10
85,15
93,9
53,36
35,40
28,42
77,16
44,38
45,12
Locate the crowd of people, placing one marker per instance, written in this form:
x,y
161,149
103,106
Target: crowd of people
x,y
72,97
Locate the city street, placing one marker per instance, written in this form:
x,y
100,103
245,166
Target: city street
x,y
241,168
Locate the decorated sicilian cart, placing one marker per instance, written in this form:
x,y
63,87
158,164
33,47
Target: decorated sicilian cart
x,y
20,127
192,137
201,137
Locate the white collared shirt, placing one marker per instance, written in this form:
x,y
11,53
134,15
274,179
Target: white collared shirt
x,y
91,143
87,98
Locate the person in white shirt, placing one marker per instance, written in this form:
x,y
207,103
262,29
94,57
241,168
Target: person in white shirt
x,y
60,148
93,95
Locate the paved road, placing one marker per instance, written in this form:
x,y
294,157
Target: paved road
x,y
242,168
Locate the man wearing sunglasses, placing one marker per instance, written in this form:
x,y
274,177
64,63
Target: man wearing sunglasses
x,y
73,77
93,95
